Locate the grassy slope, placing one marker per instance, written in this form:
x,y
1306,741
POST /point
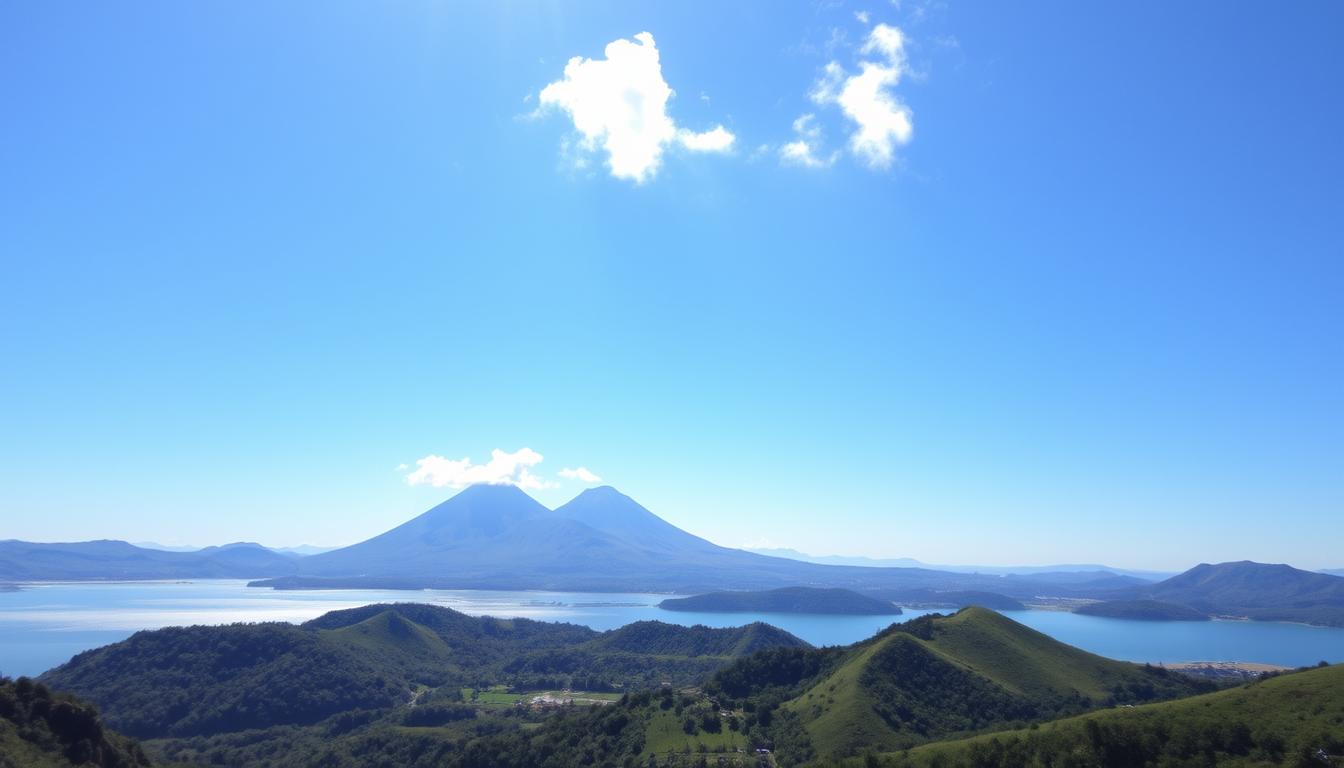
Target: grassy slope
x,y
394,639
1301,710
1023,660
1003,657
838,711
663,733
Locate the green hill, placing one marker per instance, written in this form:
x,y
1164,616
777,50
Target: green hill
x,y
41,729
185,682
655,637
942,675
1282,720
412,648
785,600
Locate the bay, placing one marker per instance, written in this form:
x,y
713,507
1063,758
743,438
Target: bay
x,y
42,625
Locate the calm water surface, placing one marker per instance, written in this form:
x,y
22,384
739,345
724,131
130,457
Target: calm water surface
x,y
43,625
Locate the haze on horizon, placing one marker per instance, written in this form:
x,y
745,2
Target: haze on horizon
x,y
1013,286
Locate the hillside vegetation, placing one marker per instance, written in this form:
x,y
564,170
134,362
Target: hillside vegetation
x,y
41,729
1291,719
937,676
200,681
416,685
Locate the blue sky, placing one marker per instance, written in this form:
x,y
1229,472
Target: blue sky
x,y
260,260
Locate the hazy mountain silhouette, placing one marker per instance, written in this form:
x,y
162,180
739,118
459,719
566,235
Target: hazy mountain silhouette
x,y
1253,590
994,570
107,559
1257,590
496,536
612,512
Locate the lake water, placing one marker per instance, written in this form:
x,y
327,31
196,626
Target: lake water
x,y
43,625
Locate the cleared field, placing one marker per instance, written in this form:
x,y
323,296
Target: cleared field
x,y
500,696
664,735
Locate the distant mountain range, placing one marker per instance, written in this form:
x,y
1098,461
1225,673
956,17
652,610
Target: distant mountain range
x,y
302,550
994,570
103,560
498,537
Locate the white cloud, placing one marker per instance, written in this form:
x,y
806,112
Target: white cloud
x,y
717,139
805,149
619,105
580,473
882,121
862,16
888,41
502,469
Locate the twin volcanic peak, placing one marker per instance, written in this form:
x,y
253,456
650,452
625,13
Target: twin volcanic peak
x,y
498,537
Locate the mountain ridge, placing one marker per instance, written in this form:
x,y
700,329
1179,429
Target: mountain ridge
x,y
1240,589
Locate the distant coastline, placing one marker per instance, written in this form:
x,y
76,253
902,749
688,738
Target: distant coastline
x,y
808,600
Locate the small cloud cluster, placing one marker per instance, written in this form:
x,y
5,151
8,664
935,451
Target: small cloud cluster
x,y
580,473
881,120
806,148
503,468
619,105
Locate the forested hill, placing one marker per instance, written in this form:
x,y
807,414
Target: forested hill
x,y
1291,719
414,685
785,600
41,729
1257,591
188,681
655,637
936,676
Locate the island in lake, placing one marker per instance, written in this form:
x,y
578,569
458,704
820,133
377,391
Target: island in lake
x,y
1146,610
785,600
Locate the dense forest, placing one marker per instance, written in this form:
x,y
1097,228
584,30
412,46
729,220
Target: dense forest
x,y
366,668
39,728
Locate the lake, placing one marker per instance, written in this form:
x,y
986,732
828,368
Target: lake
x,y
43,625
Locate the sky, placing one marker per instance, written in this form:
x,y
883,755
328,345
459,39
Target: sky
x,y
966,282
